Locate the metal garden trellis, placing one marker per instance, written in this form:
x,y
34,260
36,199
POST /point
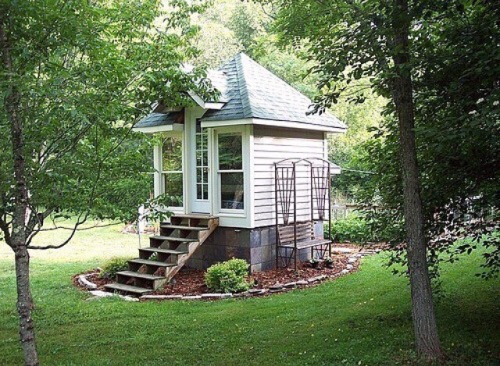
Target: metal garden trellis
x,y
292,235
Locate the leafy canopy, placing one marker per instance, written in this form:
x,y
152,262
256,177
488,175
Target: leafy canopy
x,y
83,73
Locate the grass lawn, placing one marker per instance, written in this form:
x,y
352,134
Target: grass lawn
x,y
360,319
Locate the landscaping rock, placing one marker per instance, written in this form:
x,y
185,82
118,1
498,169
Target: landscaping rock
x,y
82,279
261,292
290,285
302,283
161,297
128,298
276,287
99,293
352,260
195,297
254,291
273,291
349,266
343,250
345,271
216,296
242,294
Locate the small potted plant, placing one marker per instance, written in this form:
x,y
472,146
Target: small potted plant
x,y
328,262
314,263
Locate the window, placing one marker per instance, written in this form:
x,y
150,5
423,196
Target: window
x,y
172,177
201,162
230,171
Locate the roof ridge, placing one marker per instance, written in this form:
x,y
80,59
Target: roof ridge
x,y
242,85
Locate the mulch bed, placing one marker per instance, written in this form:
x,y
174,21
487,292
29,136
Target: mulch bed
x,y
191,281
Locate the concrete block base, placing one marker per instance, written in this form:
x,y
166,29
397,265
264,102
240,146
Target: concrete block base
x,y
257,246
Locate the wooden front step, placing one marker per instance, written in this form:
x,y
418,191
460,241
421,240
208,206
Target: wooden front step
x,y
171,249
120,287
147,262
160,250
171,238
181,227
143,276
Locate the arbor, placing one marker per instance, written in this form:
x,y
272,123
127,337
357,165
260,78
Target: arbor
x,y
74,76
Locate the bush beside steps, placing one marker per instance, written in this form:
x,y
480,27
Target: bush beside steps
x,y
230,276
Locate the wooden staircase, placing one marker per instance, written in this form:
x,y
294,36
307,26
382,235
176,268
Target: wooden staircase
x,y
167,253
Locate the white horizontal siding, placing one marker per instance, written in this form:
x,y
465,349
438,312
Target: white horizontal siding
x,y
271,145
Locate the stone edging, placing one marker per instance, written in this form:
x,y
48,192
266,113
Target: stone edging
x,y
277,288
97,294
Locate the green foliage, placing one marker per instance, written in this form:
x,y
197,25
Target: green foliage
x,y
83,76
353,229
229,276
357,228
112,266
228,28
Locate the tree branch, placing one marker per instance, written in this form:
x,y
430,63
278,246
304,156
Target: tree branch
x,y
73,232
4,226
80,229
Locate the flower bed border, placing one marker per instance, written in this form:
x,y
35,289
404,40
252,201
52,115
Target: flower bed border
x,y
352,265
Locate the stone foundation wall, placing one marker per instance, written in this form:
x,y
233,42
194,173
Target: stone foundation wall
x,y
257,246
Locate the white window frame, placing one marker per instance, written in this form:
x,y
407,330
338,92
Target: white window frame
x,y
244,131
182,171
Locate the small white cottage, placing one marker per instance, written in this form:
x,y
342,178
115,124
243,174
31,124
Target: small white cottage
x,y
248,172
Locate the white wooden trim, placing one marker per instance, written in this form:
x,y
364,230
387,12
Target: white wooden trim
x,y
298,125
192,113
251,176
157,168
273,123
203,104
214,105
234,218
159,182
334,170
234,122
175,127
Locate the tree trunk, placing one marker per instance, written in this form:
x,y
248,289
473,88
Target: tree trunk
x,y
424,319
19,234
24,306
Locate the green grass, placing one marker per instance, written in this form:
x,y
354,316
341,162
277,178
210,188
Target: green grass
x,y
361,319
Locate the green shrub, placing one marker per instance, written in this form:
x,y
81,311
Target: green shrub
x,y
354,228
112,266
229,276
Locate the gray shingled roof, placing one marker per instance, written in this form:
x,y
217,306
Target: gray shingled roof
x,y
160,119
251,91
